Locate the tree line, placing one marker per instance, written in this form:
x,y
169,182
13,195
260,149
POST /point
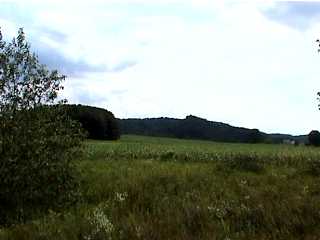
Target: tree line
x,y
191,127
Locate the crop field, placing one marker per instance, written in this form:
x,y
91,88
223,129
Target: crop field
x,y
162,188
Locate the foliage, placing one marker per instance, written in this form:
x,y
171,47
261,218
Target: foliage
x,y
37,143
99,123
191,128
314,138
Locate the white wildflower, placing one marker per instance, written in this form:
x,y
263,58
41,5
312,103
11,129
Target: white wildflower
x,y
221,212
120,197
243,182
244,207
211,209
138,231
100,223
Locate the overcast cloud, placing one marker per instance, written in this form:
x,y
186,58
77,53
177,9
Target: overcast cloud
x,y
297,14
251,64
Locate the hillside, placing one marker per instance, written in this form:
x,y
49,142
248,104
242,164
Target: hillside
x,y
193,127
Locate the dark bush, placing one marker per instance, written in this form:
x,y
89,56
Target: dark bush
x,y
36,165
314,138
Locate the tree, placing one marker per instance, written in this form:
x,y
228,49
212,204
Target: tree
x,y
98,122
314,138
37,142
255,136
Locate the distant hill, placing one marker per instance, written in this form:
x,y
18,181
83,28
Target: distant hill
x,y
193,127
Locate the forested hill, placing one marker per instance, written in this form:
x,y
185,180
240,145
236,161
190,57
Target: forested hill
x,y
101,124
193,127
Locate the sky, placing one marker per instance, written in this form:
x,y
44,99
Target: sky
x,y
251,64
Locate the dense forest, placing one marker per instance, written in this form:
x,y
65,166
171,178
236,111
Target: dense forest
x,y
98,123
193,127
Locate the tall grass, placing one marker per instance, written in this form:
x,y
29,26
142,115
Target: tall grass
x,y
159,188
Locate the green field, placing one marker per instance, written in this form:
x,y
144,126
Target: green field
x,y
161,188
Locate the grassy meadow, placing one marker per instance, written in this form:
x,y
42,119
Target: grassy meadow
x,y
162,188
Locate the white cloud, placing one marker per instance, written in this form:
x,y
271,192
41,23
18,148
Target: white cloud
x,y
8,27
234,66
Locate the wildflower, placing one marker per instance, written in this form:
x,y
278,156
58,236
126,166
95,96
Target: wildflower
x,y
244,207
221,212
120,197
243,182
210,208
138,231
305,189
100,223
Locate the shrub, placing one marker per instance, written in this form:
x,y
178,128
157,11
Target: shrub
x,y
314,138
37,143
